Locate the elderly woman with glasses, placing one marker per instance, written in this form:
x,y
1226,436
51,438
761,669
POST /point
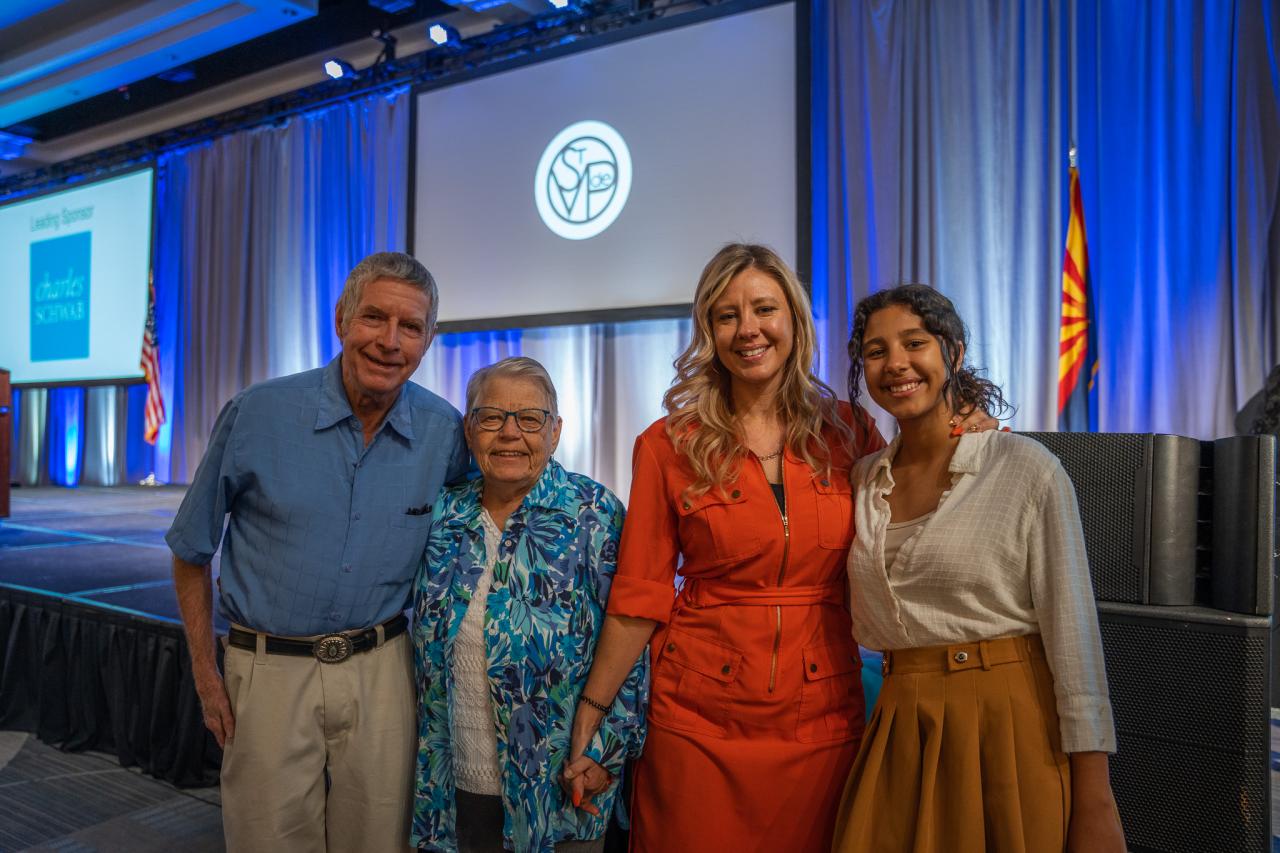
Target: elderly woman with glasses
x,y
507,608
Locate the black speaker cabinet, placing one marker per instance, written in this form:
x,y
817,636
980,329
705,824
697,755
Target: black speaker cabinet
x,y
1138,502
1242,572
1189,687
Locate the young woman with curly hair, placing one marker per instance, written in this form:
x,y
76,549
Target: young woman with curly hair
x,y
968,571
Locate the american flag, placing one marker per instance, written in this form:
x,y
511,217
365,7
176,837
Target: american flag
x,y
151,369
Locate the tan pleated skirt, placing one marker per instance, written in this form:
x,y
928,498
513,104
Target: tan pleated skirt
x,y
962,755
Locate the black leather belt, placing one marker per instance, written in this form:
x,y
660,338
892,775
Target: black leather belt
x,y
331,648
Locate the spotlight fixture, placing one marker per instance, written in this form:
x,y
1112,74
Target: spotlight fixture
x,y
392,7
339,68
181,74
12,145
444,35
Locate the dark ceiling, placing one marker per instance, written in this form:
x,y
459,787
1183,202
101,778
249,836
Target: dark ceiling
x,y
336,23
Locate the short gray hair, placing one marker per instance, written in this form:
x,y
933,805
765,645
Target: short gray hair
x,y
396,266
516,367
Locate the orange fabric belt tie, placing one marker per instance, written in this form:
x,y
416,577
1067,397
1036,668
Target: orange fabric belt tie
x,y
701,593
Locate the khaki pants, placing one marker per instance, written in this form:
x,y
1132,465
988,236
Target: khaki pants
x,y
298,721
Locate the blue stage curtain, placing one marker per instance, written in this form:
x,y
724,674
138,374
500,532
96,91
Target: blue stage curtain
x,y
30,447
65,435
141,459
609,379
941,137
104,422
941,155
257,232
1179,114
15,419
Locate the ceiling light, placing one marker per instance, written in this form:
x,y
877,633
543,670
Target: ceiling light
x,y
181,74
444,35
339,68
12,145
392,7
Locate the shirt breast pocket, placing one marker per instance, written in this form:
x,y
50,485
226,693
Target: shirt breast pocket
x,y
412,520
720,523
834,496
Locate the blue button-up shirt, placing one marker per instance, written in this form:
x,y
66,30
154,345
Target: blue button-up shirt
x,y
325,534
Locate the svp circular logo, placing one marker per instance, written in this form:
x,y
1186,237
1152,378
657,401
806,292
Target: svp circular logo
x,y
583,180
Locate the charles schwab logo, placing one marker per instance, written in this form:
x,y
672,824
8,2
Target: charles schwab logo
x,y
583,180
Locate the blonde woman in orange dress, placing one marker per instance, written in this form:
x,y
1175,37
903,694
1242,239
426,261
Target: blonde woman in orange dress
x,y
756,702
756,698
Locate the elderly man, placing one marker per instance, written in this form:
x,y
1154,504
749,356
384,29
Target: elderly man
x,y
328,479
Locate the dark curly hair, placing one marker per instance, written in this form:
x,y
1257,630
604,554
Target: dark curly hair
x,y
965,390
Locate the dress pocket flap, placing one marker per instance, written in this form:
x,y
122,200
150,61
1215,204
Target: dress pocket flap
x,y
702,656
712,497
828,659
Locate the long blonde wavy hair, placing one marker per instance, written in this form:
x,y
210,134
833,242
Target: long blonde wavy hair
x,y
699,404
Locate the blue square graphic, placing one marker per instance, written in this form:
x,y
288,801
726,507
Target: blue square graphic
x,y
60,297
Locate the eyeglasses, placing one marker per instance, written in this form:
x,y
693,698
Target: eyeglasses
x,y
491,419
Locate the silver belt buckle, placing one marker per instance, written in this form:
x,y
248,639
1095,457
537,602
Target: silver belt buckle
x,y
335,648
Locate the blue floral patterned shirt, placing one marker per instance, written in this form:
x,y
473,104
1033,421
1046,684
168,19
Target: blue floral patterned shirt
x,y
543,614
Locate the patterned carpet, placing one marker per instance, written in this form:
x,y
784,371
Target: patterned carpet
x,y
81,802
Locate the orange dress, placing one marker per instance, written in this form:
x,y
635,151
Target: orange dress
x,y
756,706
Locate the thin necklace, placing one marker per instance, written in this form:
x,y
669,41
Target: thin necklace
x,y
773,455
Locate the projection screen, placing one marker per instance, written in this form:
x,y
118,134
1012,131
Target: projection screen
x,y
74,267
595,185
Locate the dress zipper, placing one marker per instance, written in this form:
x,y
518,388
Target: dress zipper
x,y
782,573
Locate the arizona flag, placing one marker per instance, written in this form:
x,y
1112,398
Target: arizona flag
x,y
154,416
1078,343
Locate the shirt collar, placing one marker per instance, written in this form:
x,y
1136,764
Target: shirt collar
x,y
966,460
467,509
334,406
550,492
971,452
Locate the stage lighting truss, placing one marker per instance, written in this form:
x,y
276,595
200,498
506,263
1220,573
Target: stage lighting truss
x,y
579,19
388,42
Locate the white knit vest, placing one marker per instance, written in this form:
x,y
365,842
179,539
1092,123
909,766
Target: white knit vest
x,y
475,737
